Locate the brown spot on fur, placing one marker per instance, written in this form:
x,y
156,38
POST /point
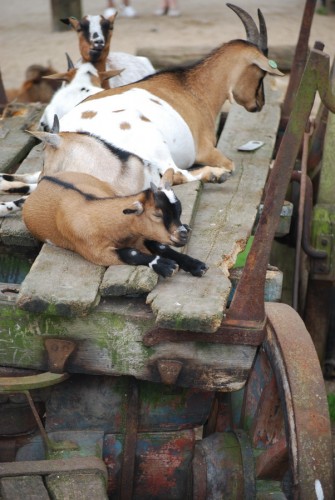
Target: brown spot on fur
x,y
88,114
155,101
125,126
144,118
118,110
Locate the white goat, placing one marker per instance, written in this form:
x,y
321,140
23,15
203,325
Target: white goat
x,y
79,83
94,35
129,136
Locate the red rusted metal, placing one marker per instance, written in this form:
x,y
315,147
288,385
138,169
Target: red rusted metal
x,y
303,399
244,334
130,440
59,350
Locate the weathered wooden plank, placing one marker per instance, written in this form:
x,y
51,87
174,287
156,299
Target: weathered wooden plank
x,y
27,487
14,141
63,283
45,467
69,486
223,223
109,341
60,282
12,228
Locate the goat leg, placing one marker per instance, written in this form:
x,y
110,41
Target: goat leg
x,y
185,262
162,266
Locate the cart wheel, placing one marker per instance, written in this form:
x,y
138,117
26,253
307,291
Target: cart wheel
x,y
282,412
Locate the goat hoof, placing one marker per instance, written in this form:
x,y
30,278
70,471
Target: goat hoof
x,y
200,269
224,177
165,267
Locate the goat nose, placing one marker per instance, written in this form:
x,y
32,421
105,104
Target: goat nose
x,y
98,43
184,229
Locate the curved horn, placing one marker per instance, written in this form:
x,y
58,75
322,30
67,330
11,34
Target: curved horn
x,y
249,24
70,64
263,36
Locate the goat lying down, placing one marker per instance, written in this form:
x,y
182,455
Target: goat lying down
x,y
94,37
129,136
81,213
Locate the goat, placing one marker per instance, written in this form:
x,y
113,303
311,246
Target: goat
x,y
35,88
79,83
79,212
94,35
167,120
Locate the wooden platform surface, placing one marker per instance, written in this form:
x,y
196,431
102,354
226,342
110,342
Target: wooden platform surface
x,y
107,312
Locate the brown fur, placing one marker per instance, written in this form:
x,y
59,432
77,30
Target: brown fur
x,y
35,88
94,229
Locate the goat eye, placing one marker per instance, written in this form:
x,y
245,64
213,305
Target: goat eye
x,y
159,215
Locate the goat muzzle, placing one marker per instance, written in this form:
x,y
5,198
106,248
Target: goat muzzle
x,y
181,235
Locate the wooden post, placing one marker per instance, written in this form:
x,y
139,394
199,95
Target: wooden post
x,y
64,8
3,97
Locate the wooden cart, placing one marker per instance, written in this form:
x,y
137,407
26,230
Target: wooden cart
x,y
168,389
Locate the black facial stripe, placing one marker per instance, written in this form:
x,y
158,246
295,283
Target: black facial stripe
x,y
85,27
171,211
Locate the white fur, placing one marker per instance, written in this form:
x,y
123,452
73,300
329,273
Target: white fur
x,y
134,68
70,94
138,122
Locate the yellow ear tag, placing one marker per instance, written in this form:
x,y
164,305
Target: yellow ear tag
x,y
272,64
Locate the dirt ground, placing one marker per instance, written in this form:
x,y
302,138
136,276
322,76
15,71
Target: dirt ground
x,y
26,36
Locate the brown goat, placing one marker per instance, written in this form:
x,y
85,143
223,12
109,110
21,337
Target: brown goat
x,y
94,37
35,88
81,213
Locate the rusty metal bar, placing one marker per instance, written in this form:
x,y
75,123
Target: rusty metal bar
x,y
130,440
248,302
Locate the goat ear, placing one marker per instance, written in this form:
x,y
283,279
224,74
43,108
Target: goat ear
x,y
267,65
63,77
71,21
106,75
53,140
167,179
138,210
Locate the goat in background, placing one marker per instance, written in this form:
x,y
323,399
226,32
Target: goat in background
x,y
94,36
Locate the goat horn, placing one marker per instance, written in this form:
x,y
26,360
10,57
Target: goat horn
x,y
263,37
55,126
249,24
70,64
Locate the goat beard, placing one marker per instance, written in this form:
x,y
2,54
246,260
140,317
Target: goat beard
x,y
95,55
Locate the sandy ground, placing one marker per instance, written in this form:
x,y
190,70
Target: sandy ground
x,y
26,36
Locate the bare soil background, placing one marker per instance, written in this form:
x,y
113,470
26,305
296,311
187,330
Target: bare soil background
x,y
26,35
